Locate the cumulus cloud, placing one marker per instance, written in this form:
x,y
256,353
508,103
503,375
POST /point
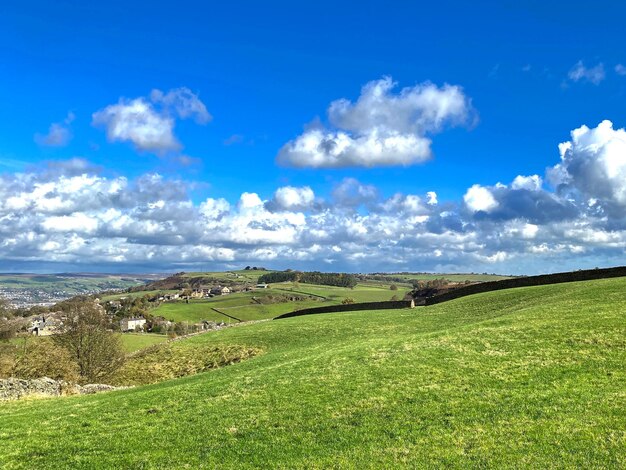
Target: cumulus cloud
x,y
478,198
73,214
149,124
59,134
579,72
531,183
381,128
593,165
292,198
620,69
138,122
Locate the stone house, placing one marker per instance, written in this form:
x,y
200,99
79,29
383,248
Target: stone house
x,y
131,324
219,290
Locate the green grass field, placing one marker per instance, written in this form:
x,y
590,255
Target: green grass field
x,y
136,341
523,378
361,293
241,305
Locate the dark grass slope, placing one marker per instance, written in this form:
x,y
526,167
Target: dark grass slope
x,y
523,378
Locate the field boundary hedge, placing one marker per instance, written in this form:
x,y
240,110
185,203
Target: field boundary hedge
x,y
541,280
392,304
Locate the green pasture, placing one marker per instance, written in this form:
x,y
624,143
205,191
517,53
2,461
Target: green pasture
x,y
242,306
135,341
523,378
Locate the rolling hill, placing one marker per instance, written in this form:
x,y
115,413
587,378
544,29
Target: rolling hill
x,y
531,377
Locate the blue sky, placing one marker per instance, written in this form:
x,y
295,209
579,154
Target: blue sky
x,y
248,98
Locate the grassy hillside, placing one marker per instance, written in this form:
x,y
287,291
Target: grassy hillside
x,y
530,377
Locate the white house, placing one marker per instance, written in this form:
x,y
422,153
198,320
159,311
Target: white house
x,y
131,324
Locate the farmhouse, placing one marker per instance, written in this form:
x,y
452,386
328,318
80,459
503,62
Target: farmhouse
x,y
131,324
262,286
42,326
219,290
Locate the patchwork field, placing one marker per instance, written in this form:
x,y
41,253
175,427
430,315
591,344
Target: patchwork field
x,y
530,377
242,306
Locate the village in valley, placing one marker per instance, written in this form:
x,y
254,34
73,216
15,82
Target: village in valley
x,y
187,303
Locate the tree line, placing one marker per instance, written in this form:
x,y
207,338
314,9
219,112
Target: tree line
x,y
314,277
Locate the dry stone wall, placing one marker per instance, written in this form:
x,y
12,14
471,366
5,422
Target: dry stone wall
x,y
393,304
14,389
541,280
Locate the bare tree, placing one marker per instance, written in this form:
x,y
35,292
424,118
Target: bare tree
x,y
97,350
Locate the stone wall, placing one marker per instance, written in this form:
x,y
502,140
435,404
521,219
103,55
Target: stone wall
x,y
14,389
541,280
392,304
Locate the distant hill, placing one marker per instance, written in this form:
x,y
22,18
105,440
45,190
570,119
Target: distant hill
x,y
24,290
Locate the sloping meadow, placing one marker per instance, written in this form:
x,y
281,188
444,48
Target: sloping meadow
x,y
531,377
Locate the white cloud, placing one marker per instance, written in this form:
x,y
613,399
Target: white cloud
x,y
530,183
409,204
381,128
530,230
70,212
290,198
138,122
593,163
620,69
147,127
594,74
59,134
74,223
432,198
478,198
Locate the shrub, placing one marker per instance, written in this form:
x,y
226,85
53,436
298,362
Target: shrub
x,y
39,357
348,300
169,361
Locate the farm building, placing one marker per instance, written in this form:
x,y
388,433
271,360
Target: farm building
x,y
131,324
219,290
42,326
